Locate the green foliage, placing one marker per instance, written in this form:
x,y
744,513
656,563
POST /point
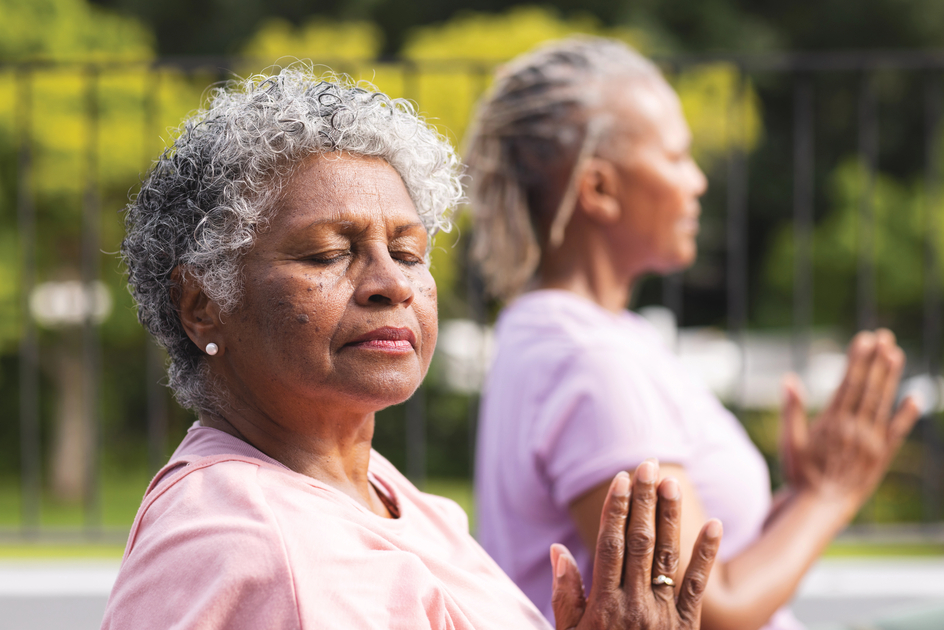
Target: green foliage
x,y
318,39
69,30
495,37
899,231
721,113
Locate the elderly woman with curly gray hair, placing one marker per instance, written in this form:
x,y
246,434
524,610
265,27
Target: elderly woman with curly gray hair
x,y
279,251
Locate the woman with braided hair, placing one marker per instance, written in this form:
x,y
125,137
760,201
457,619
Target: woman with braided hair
x,y
582,183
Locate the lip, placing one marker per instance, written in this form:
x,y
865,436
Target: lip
x,y
689,224
386,338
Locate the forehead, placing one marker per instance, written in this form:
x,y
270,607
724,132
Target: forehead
x,y
649,110
343,187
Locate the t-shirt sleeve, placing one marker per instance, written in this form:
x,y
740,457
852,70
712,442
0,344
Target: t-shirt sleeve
x,y
200,559
603,415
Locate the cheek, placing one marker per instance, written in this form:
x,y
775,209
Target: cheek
x,y
427,315
321,301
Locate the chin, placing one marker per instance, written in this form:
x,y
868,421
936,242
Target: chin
x,y
387,391
680,260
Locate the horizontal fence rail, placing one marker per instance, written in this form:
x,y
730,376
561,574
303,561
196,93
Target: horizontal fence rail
x,y
90,389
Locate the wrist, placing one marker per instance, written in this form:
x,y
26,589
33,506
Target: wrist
x,y
834,505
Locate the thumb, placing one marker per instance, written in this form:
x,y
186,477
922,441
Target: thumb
x,y
567,596
794,428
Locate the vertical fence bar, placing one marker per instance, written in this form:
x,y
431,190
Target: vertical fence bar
x,y
154,356
30,449
673,296
475,294
803,174
91,343
673,291
865,244
933,451
157,407
932,185
416,437
416,405
737,230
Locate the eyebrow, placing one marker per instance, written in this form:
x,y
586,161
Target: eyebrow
x,y
400,229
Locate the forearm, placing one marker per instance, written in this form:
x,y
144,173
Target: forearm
x,y
745,591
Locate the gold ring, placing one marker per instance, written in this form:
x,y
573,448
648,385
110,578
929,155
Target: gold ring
x,y
659,580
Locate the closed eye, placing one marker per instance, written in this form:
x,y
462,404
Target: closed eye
x,y
326,258
407,258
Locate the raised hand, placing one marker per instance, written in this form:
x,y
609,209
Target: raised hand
x,y
636,565
846,451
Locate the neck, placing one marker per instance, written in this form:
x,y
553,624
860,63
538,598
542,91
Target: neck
x,y
334,450
588,271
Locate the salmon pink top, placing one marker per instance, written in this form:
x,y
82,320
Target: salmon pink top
x,y
227,537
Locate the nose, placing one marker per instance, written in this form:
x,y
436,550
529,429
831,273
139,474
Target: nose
x,y
700,182
382,281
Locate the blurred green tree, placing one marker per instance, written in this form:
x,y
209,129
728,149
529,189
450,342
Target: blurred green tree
x,y
897,253
77,97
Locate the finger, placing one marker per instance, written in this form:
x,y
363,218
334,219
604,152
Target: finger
x,y
567,596
611,543
890,387
794,424
879,372
668,531
846,399
902,423
696,577
641,533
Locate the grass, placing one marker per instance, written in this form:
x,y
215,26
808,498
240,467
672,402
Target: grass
x,y
120,497
863,550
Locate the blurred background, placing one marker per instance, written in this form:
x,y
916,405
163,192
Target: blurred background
x,y
818,124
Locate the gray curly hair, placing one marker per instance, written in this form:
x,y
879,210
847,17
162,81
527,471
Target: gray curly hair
x,y
205,199
543,112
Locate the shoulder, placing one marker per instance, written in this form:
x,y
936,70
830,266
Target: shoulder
x,y
205,550
560,318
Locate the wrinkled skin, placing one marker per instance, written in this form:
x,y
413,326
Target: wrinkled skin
x,y
845,452
629,555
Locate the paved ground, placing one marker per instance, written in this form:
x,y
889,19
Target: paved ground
x,y
880,594
54,595
890,594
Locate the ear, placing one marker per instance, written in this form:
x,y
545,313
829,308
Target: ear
x,y
597,188
199,315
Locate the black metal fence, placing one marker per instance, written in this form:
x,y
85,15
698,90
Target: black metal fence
x,y
756,191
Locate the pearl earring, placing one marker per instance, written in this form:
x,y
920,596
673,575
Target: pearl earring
x,y
212,348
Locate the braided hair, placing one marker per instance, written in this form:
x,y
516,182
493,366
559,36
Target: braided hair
x,y
543,115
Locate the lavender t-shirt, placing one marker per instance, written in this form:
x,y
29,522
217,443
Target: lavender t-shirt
x,y
576,394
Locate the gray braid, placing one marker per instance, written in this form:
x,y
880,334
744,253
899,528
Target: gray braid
x,y
536,116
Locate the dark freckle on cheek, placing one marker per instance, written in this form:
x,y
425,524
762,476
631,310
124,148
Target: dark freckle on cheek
x,y
301,318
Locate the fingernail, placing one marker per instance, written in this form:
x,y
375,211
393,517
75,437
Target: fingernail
x,y
622,485
669,489
646,472
714,529
561,567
